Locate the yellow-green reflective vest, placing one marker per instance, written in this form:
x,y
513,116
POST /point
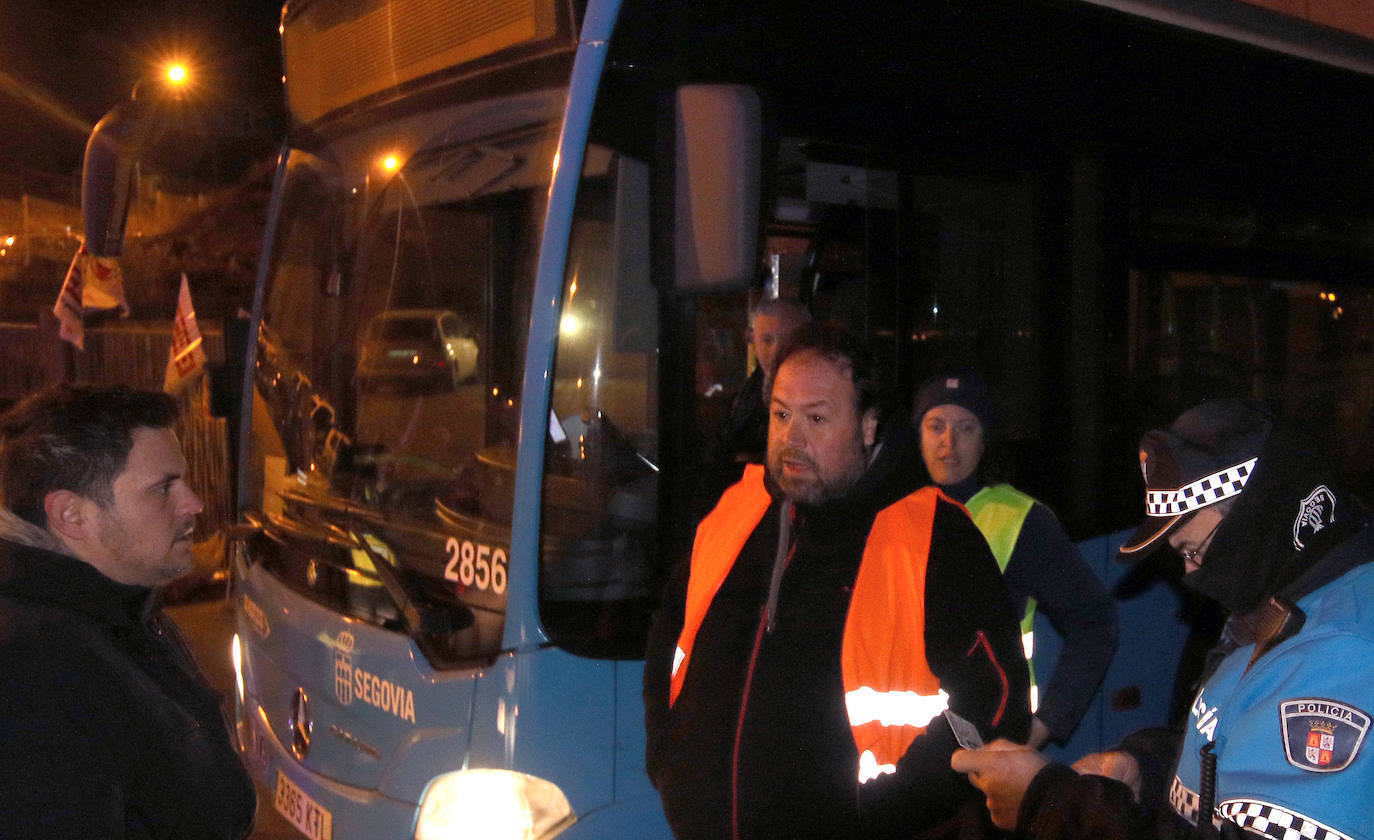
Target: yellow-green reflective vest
x,y
999,512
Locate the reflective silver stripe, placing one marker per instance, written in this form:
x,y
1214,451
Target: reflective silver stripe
x,y
869,768
893,708
1200,493
678,656
1028,644
1270,820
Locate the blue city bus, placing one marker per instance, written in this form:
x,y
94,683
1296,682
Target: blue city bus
x,y
510,249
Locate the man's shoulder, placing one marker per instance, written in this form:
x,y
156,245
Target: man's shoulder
x,y
20,615
1339,609
58,668
1338,629
749,398
43,636
948,521
922,502
1006,494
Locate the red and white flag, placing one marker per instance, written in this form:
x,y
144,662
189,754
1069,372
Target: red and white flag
x,y
68,306
91,283
104,286
186,359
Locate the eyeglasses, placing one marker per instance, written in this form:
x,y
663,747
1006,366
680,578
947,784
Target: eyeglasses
x,y
1202,545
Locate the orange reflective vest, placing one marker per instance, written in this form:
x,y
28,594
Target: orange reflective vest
x,y
890,692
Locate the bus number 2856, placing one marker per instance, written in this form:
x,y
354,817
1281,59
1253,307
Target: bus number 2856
x,y
474,564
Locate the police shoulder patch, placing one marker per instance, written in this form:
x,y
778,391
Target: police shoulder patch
x,y
1315,512
1321,735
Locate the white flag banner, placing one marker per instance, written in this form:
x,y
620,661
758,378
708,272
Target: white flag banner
x,y
68,306
187,357
92,283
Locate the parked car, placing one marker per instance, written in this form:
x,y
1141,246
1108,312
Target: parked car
x,y
430,348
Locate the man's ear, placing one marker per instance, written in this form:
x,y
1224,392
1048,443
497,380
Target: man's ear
x,y
870,427
69,514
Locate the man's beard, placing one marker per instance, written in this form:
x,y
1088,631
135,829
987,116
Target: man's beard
x,y
151,564
813,488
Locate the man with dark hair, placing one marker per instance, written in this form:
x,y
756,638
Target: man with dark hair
x,y
106,727
830,612
1275,744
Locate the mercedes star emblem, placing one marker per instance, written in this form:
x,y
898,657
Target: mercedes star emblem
x,y
300,724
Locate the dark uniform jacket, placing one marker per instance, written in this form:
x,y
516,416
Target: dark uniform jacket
x,y
761,736
742,439
107,729
1045,565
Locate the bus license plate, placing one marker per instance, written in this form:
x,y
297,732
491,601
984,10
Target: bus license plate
x,y
302,811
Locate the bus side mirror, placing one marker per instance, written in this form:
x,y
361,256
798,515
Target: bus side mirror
x,y
718,136
107,175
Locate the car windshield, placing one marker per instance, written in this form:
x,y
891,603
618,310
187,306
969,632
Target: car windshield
x,y
397,329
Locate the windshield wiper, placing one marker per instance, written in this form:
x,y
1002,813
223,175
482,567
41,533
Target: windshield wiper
x,y
417,616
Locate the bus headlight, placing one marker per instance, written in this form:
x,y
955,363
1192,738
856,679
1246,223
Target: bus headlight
x,y
499,804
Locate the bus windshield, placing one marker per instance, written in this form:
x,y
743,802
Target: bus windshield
x,y
388,372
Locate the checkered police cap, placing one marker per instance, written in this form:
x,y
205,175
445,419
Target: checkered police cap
x,y
1206,456
1200,493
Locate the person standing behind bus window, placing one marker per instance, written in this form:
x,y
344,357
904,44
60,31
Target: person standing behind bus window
x,y
744,434
1041,566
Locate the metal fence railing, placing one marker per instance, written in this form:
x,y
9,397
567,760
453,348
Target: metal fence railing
x,y
21,365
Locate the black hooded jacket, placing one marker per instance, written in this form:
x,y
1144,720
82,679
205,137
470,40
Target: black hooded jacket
x,y
767,743
106,728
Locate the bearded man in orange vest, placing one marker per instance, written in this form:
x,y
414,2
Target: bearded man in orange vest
x,y
832,614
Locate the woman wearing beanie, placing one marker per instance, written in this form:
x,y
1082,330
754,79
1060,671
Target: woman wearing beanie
x,y
1040,564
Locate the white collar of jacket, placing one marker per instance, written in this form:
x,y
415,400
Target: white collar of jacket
x,y
18,530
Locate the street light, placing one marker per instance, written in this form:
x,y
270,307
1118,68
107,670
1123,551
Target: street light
x,y
174,78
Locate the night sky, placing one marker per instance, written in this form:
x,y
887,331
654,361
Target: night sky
x,y
63,63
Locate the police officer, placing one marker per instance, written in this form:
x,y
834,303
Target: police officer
x,y
1275,743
